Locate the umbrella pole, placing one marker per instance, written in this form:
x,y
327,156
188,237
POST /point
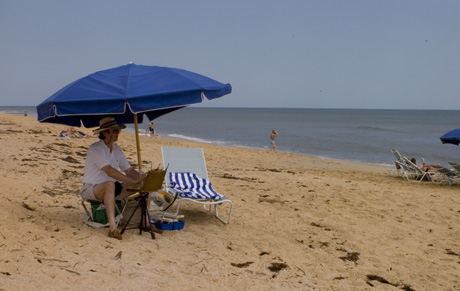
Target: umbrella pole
x,y
136,129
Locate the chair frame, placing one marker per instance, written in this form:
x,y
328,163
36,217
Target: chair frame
x,y
406,171
402,171
419,174
397,155
194,155
89,214
449,175
455,166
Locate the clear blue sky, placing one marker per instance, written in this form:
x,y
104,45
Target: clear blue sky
x,y
401,54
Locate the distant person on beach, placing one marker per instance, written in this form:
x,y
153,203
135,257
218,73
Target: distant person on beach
x,y
272,137
64,133
25,113
424,167
72,132
151,129
102,178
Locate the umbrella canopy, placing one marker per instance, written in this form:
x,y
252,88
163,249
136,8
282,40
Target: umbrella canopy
x,y
452,137
127,93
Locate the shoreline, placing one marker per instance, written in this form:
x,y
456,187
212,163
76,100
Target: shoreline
x,y
311,142
197,140
201,141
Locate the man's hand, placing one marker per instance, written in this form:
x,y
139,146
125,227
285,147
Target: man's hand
x,y
141,177
133,174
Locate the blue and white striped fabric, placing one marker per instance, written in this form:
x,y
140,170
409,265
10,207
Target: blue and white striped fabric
x,y
191,186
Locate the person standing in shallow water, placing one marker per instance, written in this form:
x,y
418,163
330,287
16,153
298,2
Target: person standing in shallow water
x,y
151,129
272,137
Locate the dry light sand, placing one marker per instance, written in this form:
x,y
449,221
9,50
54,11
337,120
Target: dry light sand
x,y
299,223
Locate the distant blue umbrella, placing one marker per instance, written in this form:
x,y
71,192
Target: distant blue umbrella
x,y
127,93
452,137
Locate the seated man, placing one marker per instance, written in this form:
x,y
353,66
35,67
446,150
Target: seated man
x,y
102,177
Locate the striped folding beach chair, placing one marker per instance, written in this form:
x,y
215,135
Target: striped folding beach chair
x,y
189,185
187,179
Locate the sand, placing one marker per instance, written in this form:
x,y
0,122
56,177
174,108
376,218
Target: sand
x,y
299,223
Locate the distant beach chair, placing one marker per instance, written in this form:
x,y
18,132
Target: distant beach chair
x,y
448,175
399,170
455,166
404,171
419,174
397,155
187,178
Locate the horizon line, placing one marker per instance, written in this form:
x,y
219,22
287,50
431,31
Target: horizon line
x,y
254,107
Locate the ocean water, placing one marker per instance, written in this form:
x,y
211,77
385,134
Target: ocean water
x,y
357,135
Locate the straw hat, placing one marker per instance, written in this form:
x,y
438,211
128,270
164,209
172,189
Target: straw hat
x,y
108,123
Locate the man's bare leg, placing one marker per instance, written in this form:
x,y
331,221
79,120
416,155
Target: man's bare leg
x,y
106,193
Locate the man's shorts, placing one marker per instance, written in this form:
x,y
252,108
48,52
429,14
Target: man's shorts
x,y
87,191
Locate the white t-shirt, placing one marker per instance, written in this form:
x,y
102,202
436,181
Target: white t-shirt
x,y
99,156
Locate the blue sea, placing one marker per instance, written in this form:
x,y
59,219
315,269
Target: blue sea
x,y
356,135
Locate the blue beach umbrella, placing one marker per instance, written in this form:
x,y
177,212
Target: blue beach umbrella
x,y
127,93
452,137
